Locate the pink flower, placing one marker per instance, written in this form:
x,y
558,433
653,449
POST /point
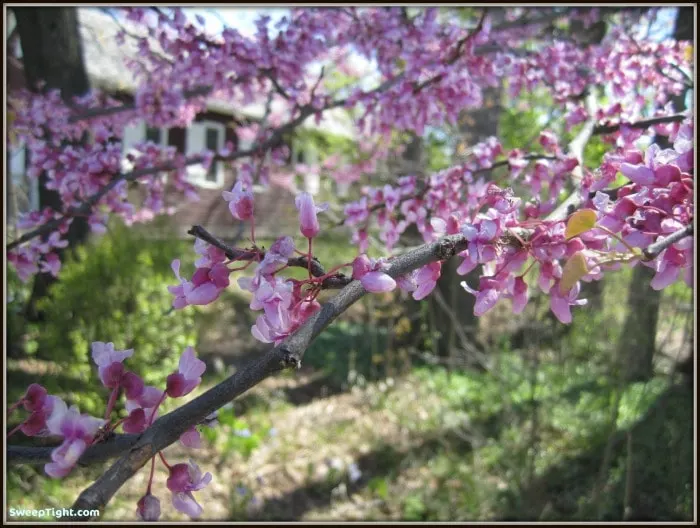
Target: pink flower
x,y
668,267
136,421
210,255
204,288
133,385
148,508
51,264
142,409
560,303
481,248
188,376
109,362
307,214
408,282
183,480
240,202
369,273
77,431
377,282
35,397
519,295
191,438
426,279
488,294
41,406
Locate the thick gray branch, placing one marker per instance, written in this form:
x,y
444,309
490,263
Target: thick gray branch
x,y
653,251
289,354
111,448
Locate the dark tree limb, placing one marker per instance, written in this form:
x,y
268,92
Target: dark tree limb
x,y
644,123
653,251
110,448
289,354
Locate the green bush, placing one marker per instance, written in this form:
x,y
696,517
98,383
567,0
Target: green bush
x,y
113,290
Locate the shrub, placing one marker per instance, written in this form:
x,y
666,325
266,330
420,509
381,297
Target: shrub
x,y
114,289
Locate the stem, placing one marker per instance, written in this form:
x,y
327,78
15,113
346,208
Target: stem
x,y
150,478
632,250
252,229
112,401
162,458
309,257
155,409
15,430
14,406
528,268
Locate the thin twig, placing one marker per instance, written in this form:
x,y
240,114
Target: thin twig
x,y
336,281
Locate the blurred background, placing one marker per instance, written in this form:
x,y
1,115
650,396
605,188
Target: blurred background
x,y
402,410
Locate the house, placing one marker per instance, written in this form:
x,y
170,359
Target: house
x,y
212,129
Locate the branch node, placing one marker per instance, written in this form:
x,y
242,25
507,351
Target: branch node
x,y
290,359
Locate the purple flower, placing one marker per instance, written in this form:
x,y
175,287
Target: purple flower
x,y
42,406
191,438
487,295
77,431
35,397
135,422
148,508
519,295
426,280
560,303
188,376
204,288
369,273
109,362
308,214
240,202
183,480
668,267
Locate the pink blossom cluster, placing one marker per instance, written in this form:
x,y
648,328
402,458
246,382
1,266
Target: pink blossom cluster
x,y
51,416
430,67
657,202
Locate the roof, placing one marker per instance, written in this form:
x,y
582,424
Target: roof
x,y
105,64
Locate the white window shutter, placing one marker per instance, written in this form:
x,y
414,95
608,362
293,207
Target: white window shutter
x,y
195,145
133,134
18,161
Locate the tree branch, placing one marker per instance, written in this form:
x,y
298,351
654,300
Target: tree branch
x,y
113,447
339,280
655,249
289,354
645,123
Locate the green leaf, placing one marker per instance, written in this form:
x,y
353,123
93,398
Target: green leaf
x,y
581,221
574,269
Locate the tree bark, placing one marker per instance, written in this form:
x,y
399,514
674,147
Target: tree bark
x,y
52,53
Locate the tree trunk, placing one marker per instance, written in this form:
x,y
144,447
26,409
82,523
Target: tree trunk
x,y
52,53
638,340
475,126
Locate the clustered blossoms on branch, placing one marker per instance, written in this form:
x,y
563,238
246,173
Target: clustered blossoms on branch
x,y
430,68
50,416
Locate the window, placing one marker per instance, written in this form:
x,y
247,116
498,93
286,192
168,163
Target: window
x,y
154,134
212,143
140,133
24,195
200,136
